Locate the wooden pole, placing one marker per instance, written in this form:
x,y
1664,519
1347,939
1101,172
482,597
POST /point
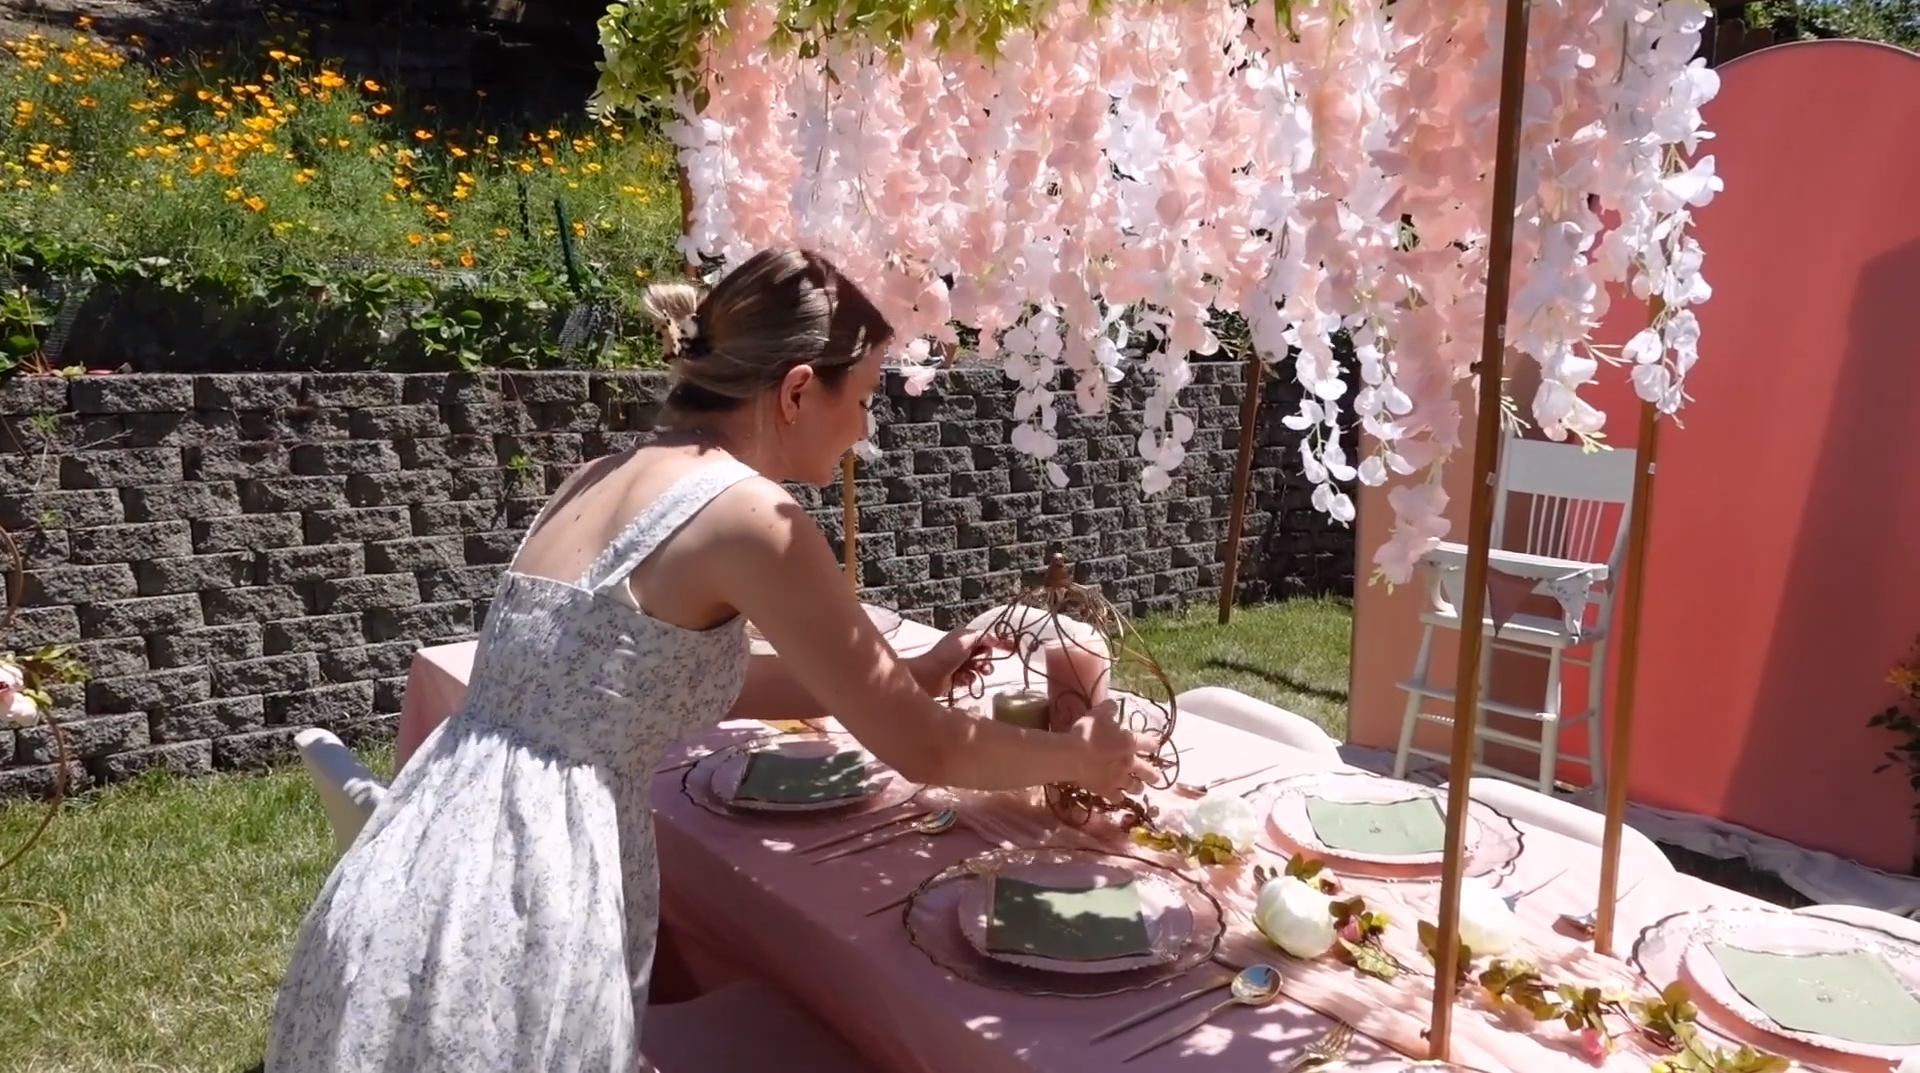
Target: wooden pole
x,y
1631,590
686,212
849,522
1486,454
1242,477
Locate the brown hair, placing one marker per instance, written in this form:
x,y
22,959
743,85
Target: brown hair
x,y
784,307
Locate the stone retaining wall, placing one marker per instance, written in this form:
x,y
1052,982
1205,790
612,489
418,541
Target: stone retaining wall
x,y
240,556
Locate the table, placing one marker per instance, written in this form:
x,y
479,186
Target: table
x,y
737,900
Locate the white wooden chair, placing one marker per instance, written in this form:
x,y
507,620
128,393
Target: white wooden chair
x,y
1569,547
742,1026
1567,818
348,791
1861,916
1235,709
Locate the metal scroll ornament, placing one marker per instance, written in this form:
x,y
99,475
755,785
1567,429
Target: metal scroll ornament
x,y
1060,610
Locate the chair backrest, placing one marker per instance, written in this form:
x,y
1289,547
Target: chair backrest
x,y
348,791
1860,915
1572,495
1565,818
1235,709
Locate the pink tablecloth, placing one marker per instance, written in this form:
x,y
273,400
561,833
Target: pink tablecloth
x,y
737,898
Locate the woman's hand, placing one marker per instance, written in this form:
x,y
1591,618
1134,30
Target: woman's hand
x,y
957,661
1116,757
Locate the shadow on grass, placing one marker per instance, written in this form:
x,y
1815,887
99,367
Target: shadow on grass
x,y
1279,678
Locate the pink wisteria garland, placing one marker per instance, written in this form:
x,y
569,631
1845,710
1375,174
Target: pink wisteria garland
x,y
1088,199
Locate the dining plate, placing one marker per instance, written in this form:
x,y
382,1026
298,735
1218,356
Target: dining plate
x,y
1165,921
936,927
863,776
1690,947
1839,969
1305,808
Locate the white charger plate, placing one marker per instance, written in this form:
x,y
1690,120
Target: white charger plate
x,y
1163,907
731,770
1289,819
1794,935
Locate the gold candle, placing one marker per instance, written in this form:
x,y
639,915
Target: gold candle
x,y
1022,708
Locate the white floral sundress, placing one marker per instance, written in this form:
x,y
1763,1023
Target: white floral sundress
x,y
498,912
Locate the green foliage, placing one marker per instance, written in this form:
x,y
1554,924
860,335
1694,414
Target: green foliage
x,y
1208,849
1903,718
273,187
1893,22
654,50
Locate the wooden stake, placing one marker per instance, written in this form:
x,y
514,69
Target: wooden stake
x,y
1486,455
686,213
1619,756
1242,477
849,522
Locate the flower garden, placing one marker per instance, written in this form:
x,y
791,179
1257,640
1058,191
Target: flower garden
x,y
243,184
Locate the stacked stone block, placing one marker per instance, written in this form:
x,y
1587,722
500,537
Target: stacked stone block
x,y
237,557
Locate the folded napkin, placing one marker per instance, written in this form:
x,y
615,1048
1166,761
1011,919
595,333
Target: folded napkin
x,y
1388,829
783,779
1068,924
1853,996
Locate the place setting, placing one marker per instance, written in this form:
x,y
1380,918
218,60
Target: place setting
x,y
1063,922
1775,980
796,776
1379,827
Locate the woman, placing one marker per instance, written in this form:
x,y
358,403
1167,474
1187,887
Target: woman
x,y
498,913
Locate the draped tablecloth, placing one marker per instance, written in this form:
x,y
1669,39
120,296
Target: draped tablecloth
x,y
739,900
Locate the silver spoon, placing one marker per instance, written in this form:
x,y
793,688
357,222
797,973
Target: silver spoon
x,y
1255,985
1586,922
1513,900
938,823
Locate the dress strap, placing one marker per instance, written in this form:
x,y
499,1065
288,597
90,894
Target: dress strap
x,y
660,519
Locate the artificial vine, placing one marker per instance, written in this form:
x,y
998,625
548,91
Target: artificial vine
x,y
655,51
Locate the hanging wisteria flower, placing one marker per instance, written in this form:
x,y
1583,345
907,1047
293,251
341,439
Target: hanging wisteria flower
x,y
1087,190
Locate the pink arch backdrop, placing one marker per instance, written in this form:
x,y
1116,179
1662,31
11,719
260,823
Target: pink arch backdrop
x,y
1783,574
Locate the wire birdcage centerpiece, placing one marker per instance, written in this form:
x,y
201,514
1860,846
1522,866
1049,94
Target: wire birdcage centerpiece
x,y
1081,641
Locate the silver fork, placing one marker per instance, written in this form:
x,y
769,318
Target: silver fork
x,y
1329,1048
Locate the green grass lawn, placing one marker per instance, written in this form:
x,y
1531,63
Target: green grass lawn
x,y
1293,655
183,895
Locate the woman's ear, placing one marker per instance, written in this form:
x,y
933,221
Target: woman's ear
x,y
792,387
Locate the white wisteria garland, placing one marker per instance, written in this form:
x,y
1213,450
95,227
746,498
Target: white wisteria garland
x,y
1092,197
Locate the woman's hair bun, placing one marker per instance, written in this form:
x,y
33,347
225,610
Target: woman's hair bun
x,y
675,309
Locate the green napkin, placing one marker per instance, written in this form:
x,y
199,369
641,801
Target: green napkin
x,y
1069,924
1395,828
1853,996
780,779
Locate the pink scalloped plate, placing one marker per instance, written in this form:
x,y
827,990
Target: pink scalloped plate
x,y
1288,816
1164,909
1793,935
704,787
731,771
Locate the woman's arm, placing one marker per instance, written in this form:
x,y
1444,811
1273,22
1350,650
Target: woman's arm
x,y
773,692
771,562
